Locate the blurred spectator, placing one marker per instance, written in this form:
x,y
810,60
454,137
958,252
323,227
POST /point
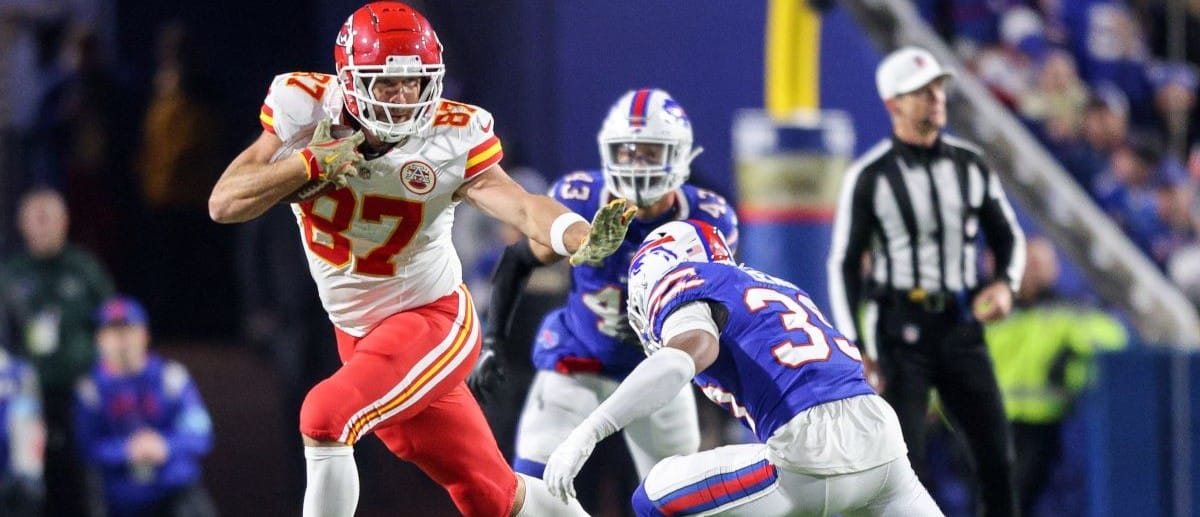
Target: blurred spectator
x,y
1174,99
1174,228
27,47
283,319
52,289
1056,104
1042,354
967,25
1109,48
179,158
1125,189
1009,68
1102,131
22,438
141,423
177,163
81,143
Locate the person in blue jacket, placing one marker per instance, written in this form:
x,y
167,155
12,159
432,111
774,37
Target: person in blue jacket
x,y
140,423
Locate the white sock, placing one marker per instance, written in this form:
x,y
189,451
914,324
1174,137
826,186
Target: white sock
x,y
332,489
539,501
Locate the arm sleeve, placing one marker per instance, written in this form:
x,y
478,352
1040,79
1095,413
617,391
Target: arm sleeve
x,y
508,282
191,431
649,387
1003,233
851,233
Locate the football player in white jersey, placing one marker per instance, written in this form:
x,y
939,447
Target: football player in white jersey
x,y
374,211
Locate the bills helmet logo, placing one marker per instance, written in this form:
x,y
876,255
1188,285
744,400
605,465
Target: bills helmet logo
x,y
675,110
418,177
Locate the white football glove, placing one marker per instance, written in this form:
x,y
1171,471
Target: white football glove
x,y
566,461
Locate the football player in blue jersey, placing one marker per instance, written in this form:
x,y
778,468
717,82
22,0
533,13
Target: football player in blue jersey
x,y
758,346
585,348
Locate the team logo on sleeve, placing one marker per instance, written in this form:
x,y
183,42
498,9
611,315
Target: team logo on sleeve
x,y
418,177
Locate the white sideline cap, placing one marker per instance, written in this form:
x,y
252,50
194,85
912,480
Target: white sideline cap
x,y
908,69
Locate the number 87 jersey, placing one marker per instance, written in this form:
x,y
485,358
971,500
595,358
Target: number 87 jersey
x,y
382,244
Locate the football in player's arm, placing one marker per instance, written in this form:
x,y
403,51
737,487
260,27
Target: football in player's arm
x,y
376,160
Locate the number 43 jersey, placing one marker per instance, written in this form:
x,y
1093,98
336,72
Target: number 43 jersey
x,y
382,245
591,334
779,355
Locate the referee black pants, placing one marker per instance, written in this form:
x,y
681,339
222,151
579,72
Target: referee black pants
x,y
920,349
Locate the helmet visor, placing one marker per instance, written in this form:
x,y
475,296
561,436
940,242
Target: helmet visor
x,y
395,101
639,171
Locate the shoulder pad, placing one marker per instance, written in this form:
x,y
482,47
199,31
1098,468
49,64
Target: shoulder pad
x,y
297,101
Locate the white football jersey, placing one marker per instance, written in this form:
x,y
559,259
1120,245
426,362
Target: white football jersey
x,y
382,245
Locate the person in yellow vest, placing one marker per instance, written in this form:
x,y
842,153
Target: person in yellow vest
x,y
1043,354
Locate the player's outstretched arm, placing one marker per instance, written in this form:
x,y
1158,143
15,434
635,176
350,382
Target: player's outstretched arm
x,y
551,227
648,388
252,183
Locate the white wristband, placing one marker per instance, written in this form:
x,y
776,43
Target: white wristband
x,y
559,229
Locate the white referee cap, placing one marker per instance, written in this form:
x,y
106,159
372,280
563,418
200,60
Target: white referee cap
x,y
906,70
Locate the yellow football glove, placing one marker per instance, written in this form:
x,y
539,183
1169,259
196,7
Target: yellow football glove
x,y
332,159
608,232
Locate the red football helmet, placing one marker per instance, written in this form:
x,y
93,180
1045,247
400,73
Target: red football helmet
x,y
389,40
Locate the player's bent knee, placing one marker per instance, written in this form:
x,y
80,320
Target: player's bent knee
x,y
481,496
323,413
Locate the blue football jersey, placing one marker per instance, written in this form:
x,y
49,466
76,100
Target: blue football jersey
x,y
779,355
591,333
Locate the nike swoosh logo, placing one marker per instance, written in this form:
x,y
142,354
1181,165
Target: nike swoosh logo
x,y
488,127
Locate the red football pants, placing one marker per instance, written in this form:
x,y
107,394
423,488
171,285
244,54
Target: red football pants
x,y
404,381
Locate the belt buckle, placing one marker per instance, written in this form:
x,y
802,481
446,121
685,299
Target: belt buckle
x,y
931,302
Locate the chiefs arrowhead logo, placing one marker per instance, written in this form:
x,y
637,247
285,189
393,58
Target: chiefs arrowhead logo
x,y
418,177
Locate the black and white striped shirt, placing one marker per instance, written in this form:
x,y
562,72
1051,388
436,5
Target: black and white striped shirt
x,y
919,211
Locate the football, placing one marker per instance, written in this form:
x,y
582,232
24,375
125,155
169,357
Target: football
x,y
309,190
313,188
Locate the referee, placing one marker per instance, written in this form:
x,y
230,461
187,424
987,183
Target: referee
x,y
917,201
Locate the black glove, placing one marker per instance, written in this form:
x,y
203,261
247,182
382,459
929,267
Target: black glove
x,y
489,372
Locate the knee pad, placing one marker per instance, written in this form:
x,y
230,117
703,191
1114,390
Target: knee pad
x,y
476,496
